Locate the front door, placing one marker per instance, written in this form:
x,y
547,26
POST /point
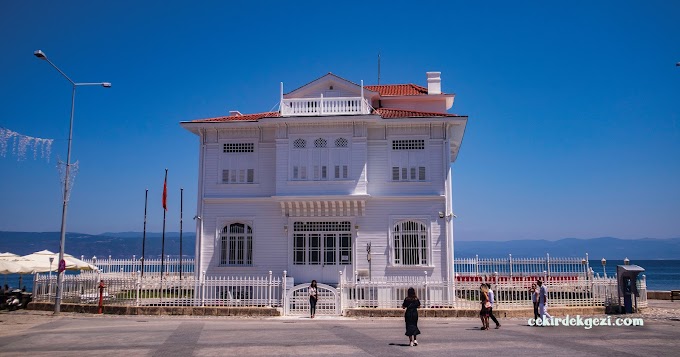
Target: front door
x,y
320,250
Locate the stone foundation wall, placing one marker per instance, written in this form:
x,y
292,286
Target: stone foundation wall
x,y
160,310
528,313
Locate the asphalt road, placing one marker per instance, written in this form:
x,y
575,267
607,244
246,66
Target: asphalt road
x,y
42,334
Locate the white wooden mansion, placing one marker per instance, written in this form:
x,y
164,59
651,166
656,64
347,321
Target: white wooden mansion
x,y
340,167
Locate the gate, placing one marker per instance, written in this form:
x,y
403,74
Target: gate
x,y
297,301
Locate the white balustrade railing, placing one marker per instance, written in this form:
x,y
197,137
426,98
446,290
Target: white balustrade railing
x,y
521,267
171,266
325,106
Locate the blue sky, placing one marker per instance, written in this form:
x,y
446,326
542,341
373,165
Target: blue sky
x,y
574,107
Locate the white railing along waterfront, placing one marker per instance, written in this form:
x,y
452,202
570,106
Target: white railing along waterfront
x,y
151,266
521,267
325,106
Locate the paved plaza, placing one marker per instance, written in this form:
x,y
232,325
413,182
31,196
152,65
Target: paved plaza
x,y
38,333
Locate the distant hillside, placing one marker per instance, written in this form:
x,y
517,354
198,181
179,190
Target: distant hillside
x,y
597,248
122,245
125,244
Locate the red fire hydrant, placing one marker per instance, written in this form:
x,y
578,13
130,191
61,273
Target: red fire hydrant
x,y
101,295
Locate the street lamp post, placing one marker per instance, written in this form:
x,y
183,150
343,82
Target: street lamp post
x,y
604,269
50,288
60,276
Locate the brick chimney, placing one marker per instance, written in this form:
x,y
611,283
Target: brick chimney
x,y
434,83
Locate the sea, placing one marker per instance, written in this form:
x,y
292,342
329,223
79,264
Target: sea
x,y
660,274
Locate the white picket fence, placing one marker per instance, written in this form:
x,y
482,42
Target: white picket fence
x,y
570,282
151,290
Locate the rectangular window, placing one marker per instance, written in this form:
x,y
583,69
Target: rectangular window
x,y
323,172
314,249
408,144
299,248
329,248
225,176
406,158
238,147
345,248
316,243
295,173
303,172
251,176
345,171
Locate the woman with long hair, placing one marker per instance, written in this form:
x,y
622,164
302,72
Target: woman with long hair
x,y
313,297
486,304
411,304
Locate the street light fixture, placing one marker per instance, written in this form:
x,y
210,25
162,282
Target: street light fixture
x,y
604,270
60,276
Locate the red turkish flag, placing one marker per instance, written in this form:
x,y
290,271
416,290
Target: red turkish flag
x,y
165,192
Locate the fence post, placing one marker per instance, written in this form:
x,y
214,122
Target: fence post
x,y
284,294
426,300
510,263
269,294
547,263
341,291
139,286
109,269
476,264
203,289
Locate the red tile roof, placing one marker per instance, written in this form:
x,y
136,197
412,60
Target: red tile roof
x,y
398,89
241,117
390,113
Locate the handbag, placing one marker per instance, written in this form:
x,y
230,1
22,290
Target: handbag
x,y
487,304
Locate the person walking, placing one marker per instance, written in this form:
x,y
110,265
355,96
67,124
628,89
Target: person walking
x,y
313,297
534,300
411,304
542,301
484,311
491,301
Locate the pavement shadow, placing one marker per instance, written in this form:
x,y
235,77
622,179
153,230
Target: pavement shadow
x,y
400,344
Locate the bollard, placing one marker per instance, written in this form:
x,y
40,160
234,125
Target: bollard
x,y
101,295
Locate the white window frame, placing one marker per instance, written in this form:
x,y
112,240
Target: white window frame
x,y
238,167
408,165
426,240
323,158
321,251
224,252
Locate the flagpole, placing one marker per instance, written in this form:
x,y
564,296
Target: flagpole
x,y
146,202
165,209
181,208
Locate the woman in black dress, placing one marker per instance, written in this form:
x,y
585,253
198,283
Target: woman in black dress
x,y
411,304
313,297
486,304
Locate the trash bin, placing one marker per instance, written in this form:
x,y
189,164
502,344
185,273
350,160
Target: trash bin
x,y
626,276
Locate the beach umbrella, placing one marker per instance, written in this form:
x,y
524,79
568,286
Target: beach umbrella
x,y
10,267
77,263
11,263
40,262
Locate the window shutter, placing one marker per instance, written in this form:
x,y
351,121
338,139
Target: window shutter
x,y
225,176
421,173
395,173
251,175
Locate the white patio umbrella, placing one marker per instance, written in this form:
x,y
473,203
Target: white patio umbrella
x,y
40,262
11,263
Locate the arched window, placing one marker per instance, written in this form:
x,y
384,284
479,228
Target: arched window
x,y
341,142
320,143
236,245
299,144
410,243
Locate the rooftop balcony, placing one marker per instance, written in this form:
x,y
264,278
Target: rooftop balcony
x,y
325,106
